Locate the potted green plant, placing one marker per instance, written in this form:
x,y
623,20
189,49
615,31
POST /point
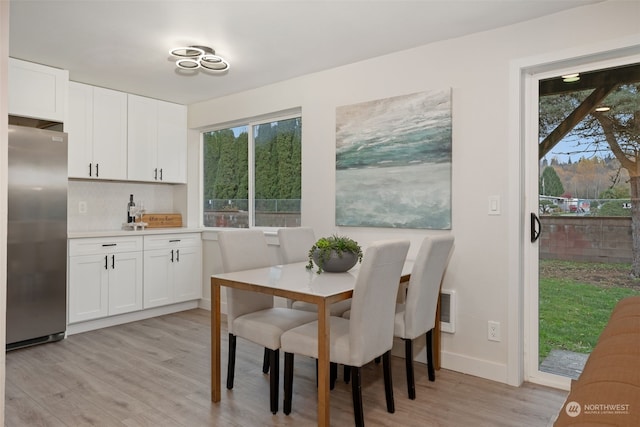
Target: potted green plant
x,y
334,254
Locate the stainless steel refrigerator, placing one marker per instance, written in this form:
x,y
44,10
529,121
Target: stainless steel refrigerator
x,y
36,236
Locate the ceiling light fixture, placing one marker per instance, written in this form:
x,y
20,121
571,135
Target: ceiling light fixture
x,y
194,57
570,78
602,109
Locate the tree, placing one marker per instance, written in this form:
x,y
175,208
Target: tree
x,y
613,208
598,131
550,184
617,192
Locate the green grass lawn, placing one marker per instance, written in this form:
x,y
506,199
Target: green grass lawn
x,y
572,313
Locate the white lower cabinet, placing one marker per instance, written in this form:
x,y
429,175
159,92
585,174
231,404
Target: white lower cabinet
x,y
172,268
117,275
105,277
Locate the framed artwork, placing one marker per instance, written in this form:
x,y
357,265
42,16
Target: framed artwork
x,y
393,162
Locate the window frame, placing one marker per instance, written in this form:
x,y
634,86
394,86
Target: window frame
x,y
250,124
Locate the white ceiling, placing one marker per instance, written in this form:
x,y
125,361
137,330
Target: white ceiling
x,y
124,45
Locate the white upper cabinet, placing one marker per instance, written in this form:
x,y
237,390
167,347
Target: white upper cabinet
x,y
37,91
97,128
157,135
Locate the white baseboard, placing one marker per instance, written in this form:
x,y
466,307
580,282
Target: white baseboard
x,y
105,322
473,366
205,304
456,362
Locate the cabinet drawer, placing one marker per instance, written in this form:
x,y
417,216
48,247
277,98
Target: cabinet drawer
x,y
93,246
181,240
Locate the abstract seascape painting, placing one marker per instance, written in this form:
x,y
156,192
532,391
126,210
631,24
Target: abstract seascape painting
x,y
393,162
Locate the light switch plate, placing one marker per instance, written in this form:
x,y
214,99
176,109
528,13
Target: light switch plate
x,y
494,205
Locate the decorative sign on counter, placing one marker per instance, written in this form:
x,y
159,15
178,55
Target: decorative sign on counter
x,y
162,220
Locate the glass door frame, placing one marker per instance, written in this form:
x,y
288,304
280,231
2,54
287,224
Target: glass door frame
x,y
530,141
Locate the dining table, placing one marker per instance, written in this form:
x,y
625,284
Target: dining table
x,y
296,282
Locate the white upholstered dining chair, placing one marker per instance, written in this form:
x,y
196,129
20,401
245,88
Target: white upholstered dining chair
x,y
295,243
417,315
369,331
252,315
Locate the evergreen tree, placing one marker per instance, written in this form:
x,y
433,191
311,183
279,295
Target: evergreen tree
x,y
550,184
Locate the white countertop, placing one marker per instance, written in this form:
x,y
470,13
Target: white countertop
x,y
145,232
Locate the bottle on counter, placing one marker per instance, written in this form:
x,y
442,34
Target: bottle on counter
x,y
130,206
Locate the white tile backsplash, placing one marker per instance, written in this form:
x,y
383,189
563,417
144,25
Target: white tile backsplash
x,y
106,203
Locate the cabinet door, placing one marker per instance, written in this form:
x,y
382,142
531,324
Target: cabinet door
x,y
79,127
187,274
142,133
110,133
125,282
88,287
37,91
158,289
172,142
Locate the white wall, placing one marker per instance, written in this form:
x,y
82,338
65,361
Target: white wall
x,y
477,68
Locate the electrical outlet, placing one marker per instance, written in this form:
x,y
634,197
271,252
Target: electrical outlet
x,y
493,331
82,207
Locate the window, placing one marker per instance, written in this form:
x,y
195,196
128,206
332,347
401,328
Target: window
x,y
252,174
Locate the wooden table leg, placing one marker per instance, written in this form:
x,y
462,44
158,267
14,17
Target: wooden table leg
x,y
324,346
215,342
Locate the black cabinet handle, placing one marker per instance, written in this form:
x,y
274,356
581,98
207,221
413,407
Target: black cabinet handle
x,y
536,227
160,174
106,262
171,255
90,169
113,261
97,170
155,174
109,244
178,255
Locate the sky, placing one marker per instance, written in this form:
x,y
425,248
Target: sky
x,y
570,145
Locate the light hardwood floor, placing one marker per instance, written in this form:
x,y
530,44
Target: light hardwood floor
x,y
156,372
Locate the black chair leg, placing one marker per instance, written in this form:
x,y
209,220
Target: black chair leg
x,y
388,383
274,378
265,361
347,374
377,360
408,361
430,368
333,375
356,392
231,366
288,382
